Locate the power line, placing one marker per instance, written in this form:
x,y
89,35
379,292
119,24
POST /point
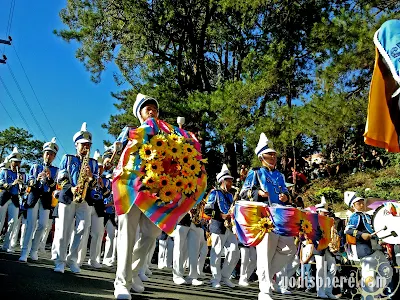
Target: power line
x,y
26,102
15,104
10,18
5,109
37,100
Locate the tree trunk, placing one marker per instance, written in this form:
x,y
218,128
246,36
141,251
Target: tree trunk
x,y
230,156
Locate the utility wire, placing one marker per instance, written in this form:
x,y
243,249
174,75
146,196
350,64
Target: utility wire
x,y
15,104
5,109
26,102
37,100
10,18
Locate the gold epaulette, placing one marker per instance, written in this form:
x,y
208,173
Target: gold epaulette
x,y
355,233
64,182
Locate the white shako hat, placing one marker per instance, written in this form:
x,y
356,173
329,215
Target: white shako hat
x,y
350,198
97,156
224,174
51,146
83,136
264,145
15,155
5,164
139,103
322,206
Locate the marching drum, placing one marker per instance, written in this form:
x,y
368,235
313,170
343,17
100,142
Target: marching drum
x,y
386,223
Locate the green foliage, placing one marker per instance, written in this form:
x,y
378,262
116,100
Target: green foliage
x,y
387,182
30,149
331,195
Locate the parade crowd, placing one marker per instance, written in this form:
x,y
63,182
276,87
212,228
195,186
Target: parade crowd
x,y
79,200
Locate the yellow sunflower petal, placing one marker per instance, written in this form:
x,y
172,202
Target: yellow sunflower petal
x,y
147,152
151,180
155,166
179,183
174,150
175,138
165,180
190,185
167,194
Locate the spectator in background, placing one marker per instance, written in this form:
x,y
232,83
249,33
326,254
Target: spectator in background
x,y
377,161
243,173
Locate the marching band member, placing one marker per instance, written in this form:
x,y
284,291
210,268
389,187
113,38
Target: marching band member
x,y
12,184
248,257
359,227
218,205
78,179
326,267
165,251
128,265
111,230
41,182
96,224
266,184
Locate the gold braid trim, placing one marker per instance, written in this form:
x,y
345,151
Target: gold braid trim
x,y
355,233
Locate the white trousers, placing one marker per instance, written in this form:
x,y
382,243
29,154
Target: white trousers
x,y
109,248
47,230
273,253
96,230
248,256
203,250
284,275
20,225
218,243
185,237
165,253
128,265
326,271
65,227
12,211
32,222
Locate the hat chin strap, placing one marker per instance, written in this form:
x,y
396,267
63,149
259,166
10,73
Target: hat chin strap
x,y
267,163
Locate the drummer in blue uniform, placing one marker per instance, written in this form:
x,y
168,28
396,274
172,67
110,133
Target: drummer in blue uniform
x,y
218,204
374,279
41,182
266,184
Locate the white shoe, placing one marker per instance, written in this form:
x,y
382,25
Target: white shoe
x,y
179,281
243,283
143,277
148,272
264,297
215,284
94,264
108,263
137,285
121,292
228,282
73,266
10,251
196,282
34,255
23,258
59,268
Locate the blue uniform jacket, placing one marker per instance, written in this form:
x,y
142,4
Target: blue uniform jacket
x,y
224,202
68,177
9,191
41,189
358,224
266,180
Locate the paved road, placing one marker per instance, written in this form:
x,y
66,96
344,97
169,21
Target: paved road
x,y
37,280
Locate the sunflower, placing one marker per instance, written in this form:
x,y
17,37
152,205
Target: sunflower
x,y
174,150
165,180
265,224
175,138
306,226
185,159
179,183
159,143
190,185
155,166
167,193
193,167
189,150
151,180
147,152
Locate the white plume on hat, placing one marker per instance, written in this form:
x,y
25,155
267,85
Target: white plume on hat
x,y
140,101
97,156
264,145
323,205
15,155
51,146
5,164
83,136
224,174
350,198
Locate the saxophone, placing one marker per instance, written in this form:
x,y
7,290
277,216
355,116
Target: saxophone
x,y
83,181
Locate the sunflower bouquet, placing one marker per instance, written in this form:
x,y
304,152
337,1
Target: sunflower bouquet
x,y
171,167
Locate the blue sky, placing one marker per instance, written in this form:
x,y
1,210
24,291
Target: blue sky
x,y
60,81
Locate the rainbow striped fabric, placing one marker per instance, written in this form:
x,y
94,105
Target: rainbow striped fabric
x,y
253,220
128,188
